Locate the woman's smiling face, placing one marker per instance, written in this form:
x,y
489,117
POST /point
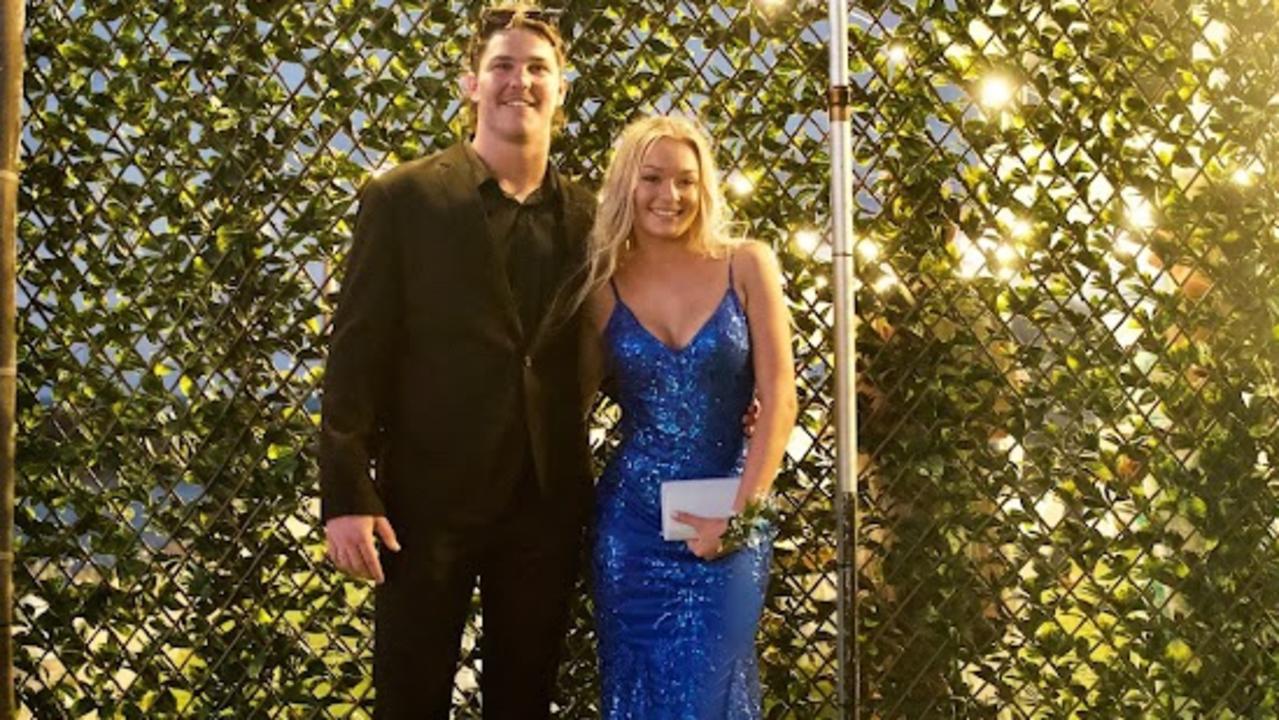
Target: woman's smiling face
x,y
667,191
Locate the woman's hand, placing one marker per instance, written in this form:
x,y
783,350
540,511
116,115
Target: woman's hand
x,y
705,544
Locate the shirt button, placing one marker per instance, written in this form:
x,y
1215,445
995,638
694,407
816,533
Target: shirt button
x,y
528,361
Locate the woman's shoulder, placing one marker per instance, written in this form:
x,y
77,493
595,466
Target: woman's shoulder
x,y
754,259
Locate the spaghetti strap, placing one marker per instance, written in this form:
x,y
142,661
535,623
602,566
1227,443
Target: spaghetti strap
x,y
732,287
613,284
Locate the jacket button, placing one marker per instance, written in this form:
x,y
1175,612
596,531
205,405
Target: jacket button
x,y
528,361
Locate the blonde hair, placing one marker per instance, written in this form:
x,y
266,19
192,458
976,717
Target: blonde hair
x,y
610,237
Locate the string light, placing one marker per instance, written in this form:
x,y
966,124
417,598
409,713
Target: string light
x,y
897,54
985,257
996,91
1020,228
1141,214
739,184
808,241
867,249
885,281
1242,177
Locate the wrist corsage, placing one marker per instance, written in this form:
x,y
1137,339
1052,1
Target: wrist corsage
x,y
750,527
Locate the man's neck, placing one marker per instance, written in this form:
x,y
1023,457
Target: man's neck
x,y
517,167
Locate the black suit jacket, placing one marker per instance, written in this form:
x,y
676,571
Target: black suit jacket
x,y
429,365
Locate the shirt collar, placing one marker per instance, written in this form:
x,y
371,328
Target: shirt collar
x,y
482,176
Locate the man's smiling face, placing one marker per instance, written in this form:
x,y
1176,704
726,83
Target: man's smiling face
x,y
518,86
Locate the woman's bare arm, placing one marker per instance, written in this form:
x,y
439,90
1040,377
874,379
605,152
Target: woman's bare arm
x,y
774,363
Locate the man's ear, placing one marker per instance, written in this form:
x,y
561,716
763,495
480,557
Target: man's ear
x,y
468,83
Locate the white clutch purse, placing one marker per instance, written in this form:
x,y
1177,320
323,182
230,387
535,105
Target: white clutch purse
x,y
709,497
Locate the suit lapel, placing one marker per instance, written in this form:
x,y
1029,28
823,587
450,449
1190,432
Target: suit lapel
x,y
453,181
574,225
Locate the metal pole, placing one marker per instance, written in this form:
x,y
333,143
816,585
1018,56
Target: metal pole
x,y
11,20
841,196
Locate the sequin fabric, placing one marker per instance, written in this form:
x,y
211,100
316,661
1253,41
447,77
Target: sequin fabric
x,y
676,633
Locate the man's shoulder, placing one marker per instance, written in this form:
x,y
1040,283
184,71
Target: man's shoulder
x,y
412,173
421,187
578,193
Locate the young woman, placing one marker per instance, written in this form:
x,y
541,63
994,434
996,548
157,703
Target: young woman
x,y
688,325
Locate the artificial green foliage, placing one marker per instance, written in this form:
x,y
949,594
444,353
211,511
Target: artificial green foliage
x,y
1069,389
190,181
1067,343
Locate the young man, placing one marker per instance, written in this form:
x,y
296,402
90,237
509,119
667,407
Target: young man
x,y
453,373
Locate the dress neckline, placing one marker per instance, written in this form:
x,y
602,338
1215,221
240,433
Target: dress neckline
x,y
701,330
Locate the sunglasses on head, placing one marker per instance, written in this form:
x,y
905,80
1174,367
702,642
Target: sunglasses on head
x,y
496,19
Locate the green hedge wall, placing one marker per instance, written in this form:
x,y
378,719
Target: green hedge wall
x,y
1068,331
191,171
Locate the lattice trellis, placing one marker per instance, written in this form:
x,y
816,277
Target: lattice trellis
x,y
1068,231
190,176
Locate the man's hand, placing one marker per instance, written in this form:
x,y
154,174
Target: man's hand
x,y
706,545
350,541
750,418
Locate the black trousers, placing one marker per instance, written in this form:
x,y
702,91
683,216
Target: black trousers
x,y
526,562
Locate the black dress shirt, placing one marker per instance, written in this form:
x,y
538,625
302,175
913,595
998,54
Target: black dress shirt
x,y
524,235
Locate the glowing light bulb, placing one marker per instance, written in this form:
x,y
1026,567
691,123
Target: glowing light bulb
x,y
885,282
739,184
897,54
996,91
1006,254
1242,177
808,241
1141,214
868,249
1020,228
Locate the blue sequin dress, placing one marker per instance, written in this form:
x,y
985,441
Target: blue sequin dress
x,y
676,633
